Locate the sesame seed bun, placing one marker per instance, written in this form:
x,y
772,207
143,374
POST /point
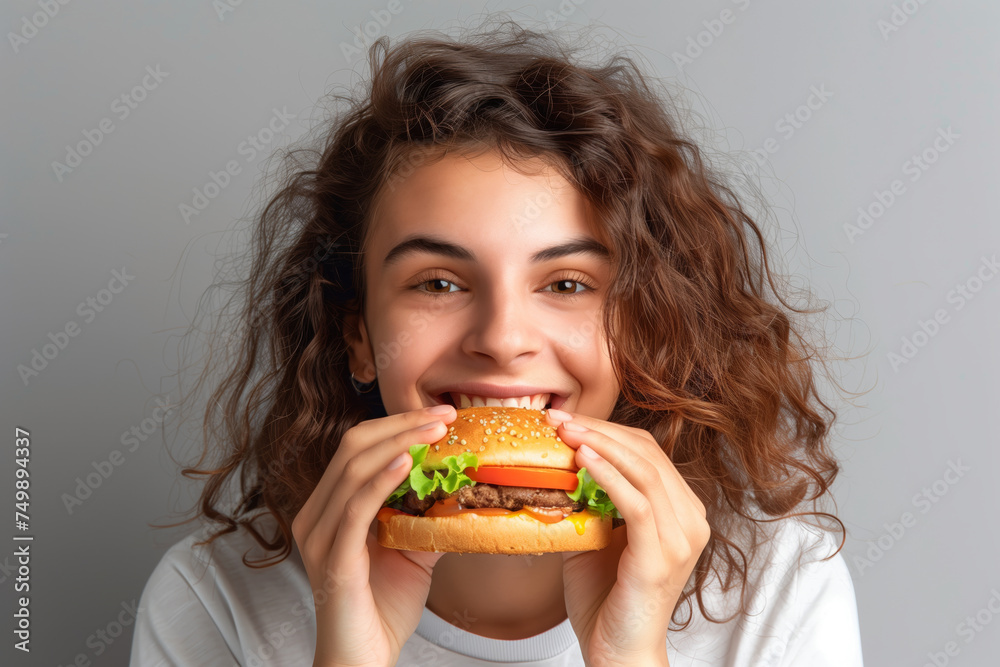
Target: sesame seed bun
x,y
504,437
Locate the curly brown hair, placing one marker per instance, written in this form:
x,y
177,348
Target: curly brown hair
x,y
709,363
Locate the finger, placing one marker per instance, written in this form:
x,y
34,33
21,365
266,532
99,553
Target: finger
x,y
654,475
368,465
611,429
671,509
343,564
679,481
640,510
359,510
555,417
357,438
649,448
371,431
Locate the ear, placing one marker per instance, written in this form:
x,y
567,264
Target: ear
x,y
361,360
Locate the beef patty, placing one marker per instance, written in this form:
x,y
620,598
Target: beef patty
x,y
493,495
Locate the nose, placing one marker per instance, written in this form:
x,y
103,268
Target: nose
x,y
503,327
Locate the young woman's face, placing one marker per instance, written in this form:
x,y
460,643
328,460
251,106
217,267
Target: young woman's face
x,y
486,282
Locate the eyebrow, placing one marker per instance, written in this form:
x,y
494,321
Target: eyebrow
x,y
428,244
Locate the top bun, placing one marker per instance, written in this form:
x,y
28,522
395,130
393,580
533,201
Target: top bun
x,y
503,437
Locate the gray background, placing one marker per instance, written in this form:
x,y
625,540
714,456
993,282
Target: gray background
x,y
890,94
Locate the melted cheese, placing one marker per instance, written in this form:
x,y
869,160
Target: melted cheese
x,y
578,520
445,508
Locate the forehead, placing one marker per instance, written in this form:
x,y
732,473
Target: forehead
x,y
481,202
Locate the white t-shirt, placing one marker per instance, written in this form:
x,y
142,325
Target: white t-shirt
x,y
201,608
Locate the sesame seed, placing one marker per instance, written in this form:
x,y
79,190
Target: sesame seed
x,y
501,438
489,432
437,448
486,439
481,447
463,441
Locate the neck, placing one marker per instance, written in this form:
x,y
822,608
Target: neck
x,y
499,596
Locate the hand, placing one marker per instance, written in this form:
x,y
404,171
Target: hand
x,y
368,598
620,599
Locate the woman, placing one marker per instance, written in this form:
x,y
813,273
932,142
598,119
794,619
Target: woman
x,y
492,219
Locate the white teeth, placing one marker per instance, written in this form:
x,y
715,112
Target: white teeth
x,y
534,402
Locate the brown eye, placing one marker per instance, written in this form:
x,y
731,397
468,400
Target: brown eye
x,y
568,287
437,285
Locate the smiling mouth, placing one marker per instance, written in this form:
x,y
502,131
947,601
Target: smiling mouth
x,y
533,402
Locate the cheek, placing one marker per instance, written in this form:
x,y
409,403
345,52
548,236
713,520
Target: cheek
x,y
405,346
581,341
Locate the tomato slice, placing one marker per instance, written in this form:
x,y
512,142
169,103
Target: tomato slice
x,y
538,478
387,513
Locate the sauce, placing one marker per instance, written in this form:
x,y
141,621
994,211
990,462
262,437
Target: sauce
x,y
450,507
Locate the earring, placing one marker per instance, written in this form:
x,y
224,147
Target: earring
x,y
362,387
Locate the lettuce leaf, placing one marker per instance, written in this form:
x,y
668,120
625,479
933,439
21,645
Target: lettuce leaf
x,y
595,498
424,485
593,495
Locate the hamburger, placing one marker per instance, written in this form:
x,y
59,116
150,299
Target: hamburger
x,y
500,482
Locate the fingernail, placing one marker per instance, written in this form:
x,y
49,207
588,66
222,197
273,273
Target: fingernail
x,y
442,409
576,428
397,462
586,452
559,415
427,427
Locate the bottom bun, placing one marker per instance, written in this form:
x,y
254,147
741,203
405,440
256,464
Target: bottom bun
x,y
475,533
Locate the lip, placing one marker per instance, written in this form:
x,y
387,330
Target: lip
x,y
558,398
